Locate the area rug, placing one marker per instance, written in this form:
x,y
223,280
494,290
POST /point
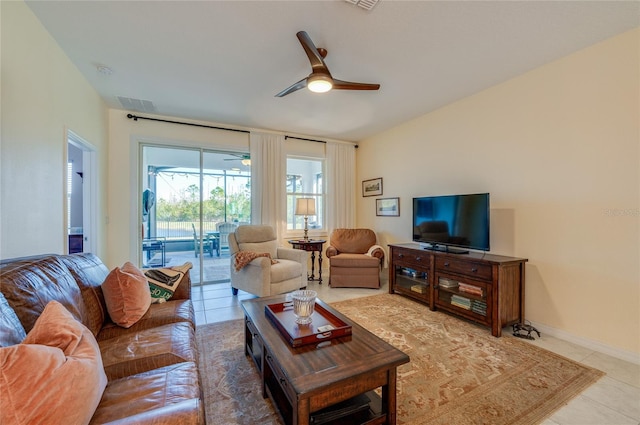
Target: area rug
x,y
458,373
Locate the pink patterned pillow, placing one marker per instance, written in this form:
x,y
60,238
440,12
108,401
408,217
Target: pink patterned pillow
x,y
55,376
126,293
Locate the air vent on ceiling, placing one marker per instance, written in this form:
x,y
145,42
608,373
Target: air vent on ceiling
x,y
365,4
137,104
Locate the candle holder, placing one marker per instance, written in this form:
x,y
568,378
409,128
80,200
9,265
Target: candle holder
x,y
304,302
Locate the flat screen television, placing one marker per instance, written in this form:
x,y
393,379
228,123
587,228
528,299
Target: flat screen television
x,y
441,222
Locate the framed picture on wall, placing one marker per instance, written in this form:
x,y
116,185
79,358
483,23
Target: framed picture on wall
x,y
389,207
372,187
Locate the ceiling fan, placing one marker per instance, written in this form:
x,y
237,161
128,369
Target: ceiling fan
x,y
320,79
244,158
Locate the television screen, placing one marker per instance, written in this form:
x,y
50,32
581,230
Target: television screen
x,y
453,220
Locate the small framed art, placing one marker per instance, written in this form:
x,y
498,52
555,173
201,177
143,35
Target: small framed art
x,y
372,187
388,207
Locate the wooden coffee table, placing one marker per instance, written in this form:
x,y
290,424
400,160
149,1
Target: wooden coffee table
x,y
305,380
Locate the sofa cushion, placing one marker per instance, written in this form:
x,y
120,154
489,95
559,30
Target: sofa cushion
x,y
172,311
148,349
11,330
165,390
29,286
59,354
89,272
126,293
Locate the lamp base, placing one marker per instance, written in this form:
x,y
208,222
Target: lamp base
x,y
306,229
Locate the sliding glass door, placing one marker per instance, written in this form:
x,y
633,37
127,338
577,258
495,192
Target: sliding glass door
x,y
191,200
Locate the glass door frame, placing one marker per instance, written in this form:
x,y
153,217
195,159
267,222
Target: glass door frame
x,y
201,171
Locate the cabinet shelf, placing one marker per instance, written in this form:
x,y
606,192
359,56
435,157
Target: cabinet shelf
x,y
457,291
495,296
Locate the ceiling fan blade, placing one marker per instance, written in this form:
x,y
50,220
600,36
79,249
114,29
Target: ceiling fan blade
x,y
348,85
295,87
317,64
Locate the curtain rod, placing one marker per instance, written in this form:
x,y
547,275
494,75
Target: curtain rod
x,y
136,118
308,140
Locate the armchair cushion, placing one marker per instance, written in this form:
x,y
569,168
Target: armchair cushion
x,y
354,260
257,239
353,241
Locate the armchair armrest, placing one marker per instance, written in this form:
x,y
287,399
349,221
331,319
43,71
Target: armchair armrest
x,y
292,254
378,252
183,292
253,276
296,255
331,251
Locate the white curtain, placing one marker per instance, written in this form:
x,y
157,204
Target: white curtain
x,y
341,186
268,180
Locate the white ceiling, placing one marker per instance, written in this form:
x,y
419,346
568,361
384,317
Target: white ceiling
x,y
223,61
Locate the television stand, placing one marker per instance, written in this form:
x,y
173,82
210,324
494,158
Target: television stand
x,y
485,288
446,248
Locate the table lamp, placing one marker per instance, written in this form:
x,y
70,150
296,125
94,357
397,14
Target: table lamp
x,y
306,207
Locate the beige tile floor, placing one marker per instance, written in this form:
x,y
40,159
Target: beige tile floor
x,y
613,400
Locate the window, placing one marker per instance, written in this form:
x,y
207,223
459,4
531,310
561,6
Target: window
x,y
305,180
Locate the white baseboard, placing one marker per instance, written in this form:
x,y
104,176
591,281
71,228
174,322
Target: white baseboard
x,y
618,353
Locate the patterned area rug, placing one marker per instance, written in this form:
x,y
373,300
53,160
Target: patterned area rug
x,y
458,374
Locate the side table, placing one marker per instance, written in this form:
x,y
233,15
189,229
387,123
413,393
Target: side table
x,y
313,246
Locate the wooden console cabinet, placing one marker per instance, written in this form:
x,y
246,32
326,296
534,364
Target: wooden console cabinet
x,y
485,288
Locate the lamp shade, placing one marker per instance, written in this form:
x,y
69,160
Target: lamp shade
x,y
305,206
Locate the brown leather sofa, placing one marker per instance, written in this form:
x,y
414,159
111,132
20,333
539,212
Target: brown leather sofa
x,y
354,259
151,367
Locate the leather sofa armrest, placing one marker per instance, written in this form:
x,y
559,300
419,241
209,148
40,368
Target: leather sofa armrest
x,y
185,412
183,292
331,251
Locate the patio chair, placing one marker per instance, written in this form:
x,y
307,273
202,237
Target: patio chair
x,y
207,244
224,229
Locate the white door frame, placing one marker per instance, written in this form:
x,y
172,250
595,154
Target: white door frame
x,y
89,189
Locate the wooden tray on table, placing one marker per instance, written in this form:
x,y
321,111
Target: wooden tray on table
x,y
324,324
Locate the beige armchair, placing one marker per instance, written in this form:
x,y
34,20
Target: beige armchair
x,y
354,259
259,276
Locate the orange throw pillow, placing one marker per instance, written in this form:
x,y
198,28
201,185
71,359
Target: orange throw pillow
x,y
127,295
55,376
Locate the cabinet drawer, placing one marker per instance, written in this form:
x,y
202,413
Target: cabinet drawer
x,y
411,256
466,268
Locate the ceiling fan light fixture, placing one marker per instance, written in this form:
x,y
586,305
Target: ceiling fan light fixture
x,y
319,84
246,162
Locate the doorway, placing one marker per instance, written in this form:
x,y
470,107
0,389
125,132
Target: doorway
x,y
191,200
80,199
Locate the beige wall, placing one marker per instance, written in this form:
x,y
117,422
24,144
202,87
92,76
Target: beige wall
x,y
558,149
43,95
